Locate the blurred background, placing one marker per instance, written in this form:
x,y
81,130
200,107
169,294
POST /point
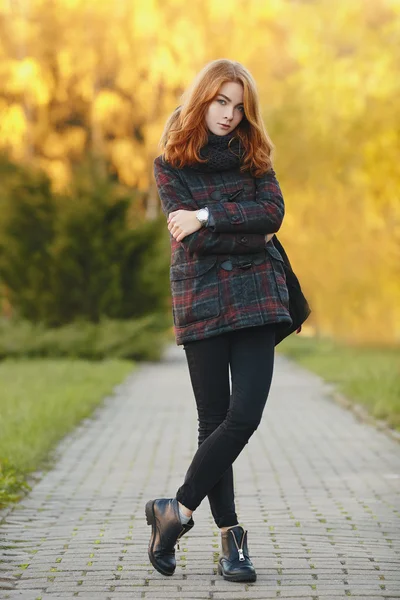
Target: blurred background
x,y
85,89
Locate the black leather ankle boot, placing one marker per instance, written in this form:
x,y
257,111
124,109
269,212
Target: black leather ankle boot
x,y
234,563
166,530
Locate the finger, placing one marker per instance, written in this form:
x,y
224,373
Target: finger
x,y
175,229
173,220
172,226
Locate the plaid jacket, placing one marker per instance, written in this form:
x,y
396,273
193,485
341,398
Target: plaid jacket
x,y
224,276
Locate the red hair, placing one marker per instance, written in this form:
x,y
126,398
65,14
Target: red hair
x,y
185,131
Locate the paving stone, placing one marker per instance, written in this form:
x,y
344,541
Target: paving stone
x,y
249,595
317,490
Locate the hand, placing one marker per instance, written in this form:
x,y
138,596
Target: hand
x,y
182,223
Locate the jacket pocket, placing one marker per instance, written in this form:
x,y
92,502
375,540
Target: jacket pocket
x,y
195,291
278,266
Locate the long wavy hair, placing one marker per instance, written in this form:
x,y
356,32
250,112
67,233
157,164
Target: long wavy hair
x,y
185,131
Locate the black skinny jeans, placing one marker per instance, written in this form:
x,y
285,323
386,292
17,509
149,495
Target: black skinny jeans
x,y
225,421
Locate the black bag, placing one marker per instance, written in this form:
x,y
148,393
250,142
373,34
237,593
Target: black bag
x,y
298,305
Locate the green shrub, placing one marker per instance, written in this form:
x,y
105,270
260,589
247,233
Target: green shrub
x,y
139,339
85,255
27,222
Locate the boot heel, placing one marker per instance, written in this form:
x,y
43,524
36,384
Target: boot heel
x,y
149,512
219,569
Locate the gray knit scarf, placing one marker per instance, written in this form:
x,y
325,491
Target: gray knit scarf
x,y
223,152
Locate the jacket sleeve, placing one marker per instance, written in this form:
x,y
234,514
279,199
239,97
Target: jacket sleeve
x,y
262,215
174,196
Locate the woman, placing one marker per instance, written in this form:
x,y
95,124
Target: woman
x,y
229,295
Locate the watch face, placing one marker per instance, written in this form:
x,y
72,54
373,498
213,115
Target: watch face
x,y
202,214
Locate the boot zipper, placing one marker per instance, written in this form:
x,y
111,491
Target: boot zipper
x,y
240,550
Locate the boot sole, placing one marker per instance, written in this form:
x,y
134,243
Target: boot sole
x,y
238,576
151,520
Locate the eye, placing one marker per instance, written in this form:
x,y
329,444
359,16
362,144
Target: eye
x,y
221,101
241,108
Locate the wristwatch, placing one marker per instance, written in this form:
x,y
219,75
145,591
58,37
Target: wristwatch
x,y
202,216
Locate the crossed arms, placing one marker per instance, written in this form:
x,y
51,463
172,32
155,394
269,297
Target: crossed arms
x,y
234,228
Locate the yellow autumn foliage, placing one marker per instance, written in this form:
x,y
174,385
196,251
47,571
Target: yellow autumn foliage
x,y
13,129
102,76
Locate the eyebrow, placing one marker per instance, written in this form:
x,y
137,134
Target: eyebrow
x,y
240,103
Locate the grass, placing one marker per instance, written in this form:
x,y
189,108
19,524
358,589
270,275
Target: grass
x,y
365,375
40,402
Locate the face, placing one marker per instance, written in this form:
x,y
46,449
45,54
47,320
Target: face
x,y
226,109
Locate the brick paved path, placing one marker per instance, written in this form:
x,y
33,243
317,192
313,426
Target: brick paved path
x,y
317,490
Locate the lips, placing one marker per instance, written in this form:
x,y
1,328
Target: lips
x,y
224,126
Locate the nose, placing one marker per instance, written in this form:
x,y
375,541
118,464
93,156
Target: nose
x,y
228,115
